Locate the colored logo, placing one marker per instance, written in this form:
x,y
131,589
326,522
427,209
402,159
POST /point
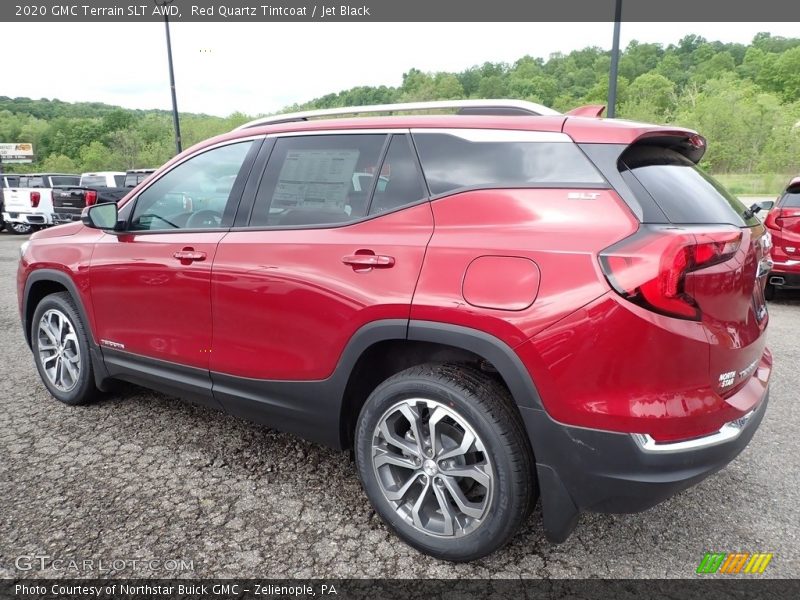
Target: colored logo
x,y
735,562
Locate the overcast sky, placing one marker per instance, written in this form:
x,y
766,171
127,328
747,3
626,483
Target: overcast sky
x,y
256,68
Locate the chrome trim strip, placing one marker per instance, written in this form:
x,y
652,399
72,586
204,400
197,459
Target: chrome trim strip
x,y
531,107
729,431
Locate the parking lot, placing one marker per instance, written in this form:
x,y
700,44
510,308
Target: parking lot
x,y
140,475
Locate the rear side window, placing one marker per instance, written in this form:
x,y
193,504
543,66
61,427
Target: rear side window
x,y
318,180
399,183
452,162
791,200
684,193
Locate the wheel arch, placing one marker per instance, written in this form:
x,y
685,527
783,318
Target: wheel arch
x,y
370,359
40,284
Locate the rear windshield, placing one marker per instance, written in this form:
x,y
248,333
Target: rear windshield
x,y
31,182
65,180
684,193
791,199
93,181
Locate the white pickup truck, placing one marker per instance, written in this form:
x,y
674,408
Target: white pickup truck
x,y
29,206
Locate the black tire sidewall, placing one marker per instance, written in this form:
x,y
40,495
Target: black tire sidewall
x,y
494,531
85,388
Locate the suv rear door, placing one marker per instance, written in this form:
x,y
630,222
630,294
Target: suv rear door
x,y
151,282
313,261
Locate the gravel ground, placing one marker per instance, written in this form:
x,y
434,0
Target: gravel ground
x,y
140,475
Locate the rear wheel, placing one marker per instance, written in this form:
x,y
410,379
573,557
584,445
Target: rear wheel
x,y
19,228
61,350
444,460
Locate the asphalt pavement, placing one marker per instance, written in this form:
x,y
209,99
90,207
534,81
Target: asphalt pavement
x,y
142,476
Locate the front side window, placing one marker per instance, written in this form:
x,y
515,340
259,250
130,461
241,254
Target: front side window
x,y
194,194
317,180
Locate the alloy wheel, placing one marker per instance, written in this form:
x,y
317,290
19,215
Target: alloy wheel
x,y
432,467
59,351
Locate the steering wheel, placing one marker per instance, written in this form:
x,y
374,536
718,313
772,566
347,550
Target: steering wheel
x,y
204,219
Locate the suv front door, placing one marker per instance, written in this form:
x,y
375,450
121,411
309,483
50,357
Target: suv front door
x,y
316,260
151,282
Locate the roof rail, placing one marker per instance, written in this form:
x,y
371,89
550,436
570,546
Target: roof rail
x,y
464,107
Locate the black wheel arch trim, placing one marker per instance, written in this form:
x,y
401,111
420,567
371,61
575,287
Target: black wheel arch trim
x,y
490,348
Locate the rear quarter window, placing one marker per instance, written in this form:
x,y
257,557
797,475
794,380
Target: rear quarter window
x,y
684,193
451,162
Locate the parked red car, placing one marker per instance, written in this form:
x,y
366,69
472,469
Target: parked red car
x,y
783,222
515,303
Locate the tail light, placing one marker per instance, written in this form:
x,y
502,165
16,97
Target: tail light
x,y
35,199
772,219
650,267
90,197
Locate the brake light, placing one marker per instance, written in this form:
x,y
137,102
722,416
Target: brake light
x,y
35,199
90,197
650,267
772,219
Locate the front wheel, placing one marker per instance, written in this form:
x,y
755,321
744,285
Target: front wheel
x,y
19,228
61,350
444,460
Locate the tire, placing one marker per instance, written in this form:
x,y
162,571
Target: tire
x,y
769,292
404,483
19,228
68,379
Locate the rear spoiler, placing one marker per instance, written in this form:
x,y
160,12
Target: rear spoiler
x,y
692,145
590,110
794,186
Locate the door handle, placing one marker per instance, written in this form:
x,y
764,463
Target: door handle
x,y
368,261
188,255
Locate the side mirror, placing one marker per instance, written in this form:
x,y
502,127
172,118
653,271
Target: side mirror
x,y
101,216
765,204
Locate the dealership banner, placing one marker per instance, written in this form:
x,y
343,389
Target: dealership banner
x,y
399,589
406,10
16,153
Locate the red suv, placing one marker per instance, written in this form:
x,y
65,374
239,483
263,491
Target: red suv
x,y
783,222
510,303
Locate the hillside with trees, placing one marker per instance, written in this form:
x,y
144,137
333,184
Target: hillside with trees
x,y
744,98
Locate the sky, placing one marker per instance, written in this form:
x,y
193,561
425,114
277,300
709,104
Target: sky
x,y
255,68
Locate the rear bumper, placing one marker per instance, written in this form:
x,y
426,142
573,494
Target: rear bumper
x,y
784,278
28,218
585,470
66,215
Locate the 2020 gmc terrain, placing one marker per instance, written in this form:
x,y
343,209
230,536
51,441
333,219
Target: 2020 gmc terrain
x,y
515,304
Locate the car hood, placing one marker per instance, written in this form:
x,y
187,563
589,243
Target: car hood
x,y
58,231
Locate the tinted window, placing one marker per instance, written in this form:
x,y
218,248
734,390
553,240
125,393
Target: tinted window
x,y
317,180
64,180
31,182
399,183
119,180
194,194
93,181
791,200
452,162
684,193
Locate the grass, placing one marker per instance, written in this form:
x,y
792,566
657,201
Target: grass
x,y
754,184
